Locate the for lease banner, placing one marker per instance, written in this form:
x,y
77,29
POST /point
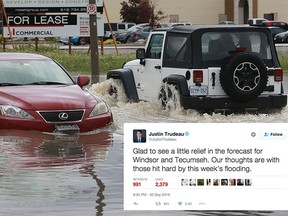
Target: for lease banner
x,y
30,20
51,26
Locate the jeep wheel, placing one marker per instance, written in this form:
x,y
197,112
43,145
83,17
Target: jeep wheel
x,y
244,77
117,91
169,96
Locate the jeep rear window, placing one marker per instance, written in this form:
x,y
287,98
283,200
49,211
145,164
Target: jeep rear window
x,y
178,51
219,45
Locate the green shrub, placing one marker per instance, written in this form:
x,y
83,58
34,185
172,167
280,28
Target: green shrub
x,y
77,62
283,58
80,62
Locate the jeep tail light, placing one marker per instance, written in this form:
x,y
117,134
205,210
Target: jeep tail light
x,y
240,49
278,75
197,77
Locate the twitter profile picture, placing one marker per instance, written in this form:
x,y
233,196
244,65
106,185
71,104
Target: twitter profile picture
x,y
139,136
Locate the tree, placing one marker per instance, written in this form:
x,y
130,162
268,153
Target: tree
x,y
128,11
155,16
141,11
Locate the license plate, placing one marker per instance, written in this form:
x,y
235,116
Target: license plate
x,y
72,128
198,90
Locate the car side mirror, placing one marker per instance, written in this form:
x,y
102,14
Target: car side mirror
x,y
83,80
140,54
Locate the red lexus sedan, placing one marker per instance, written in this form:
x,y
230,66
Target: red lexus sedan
x,y
36,93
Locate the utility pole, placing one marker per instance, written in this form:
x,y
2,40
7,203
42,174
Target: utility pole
x,y
94,45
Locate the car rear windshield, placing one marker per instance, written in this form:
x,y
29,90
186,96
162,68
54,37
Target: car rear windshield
x,y
219,45
134,29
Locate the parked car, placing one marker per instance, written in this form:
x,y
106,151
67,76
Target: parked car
x,y
124,36
281,37
116,28
36,93
227,22
276,23
135,33
207,68
178,24
141,33
77,40
256,21
276,30
170,25
63,40
164,25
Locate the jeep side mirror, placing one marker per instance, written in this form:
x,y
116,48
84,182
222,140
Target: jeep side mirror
x,y
140,54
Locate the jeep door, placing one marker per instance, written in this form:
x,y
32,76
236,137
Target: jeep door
x,y
151,77
177,59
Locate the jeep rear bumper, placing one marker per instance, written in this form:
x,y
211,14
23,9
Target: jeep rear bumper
x,y
210,104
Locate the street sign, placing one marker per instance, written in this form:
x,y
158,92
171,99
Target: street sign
x,y
91,9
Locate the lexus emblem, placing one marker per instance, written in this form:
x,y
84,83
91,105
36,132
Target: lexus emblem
x,y
63,116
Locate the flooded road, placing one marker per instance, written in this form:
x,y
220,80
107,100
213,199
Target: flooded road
x,y
63,175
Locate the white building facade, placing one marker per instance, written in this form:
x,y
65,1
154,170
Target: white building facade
x,y
211,11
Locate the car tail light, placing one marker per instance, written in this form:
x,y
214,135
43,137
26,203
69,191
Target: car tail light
x,y
278,75
197,77
137,35
240,49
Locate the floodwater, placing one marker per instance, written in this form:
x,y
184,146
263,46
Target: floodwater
x,y
69,175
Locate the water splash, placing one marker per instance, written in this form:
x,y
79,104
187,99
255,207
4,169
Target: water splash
x,y
153,112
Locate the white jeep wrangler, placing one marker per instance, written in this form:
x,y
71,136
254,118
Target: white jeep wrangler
x,y
211,67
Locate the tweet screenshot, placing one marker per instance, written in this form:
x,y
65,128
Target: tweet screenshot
x,y
201,166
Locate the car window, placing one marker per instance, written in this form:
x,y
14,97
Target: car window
x,y
276,30
178,51
154,49
121,26
258,22
30,71
114,26
219,45
106,27
147,29
134,28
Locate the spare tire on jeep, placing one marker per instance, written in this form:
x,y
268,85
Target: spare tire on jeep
x,y
244,76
